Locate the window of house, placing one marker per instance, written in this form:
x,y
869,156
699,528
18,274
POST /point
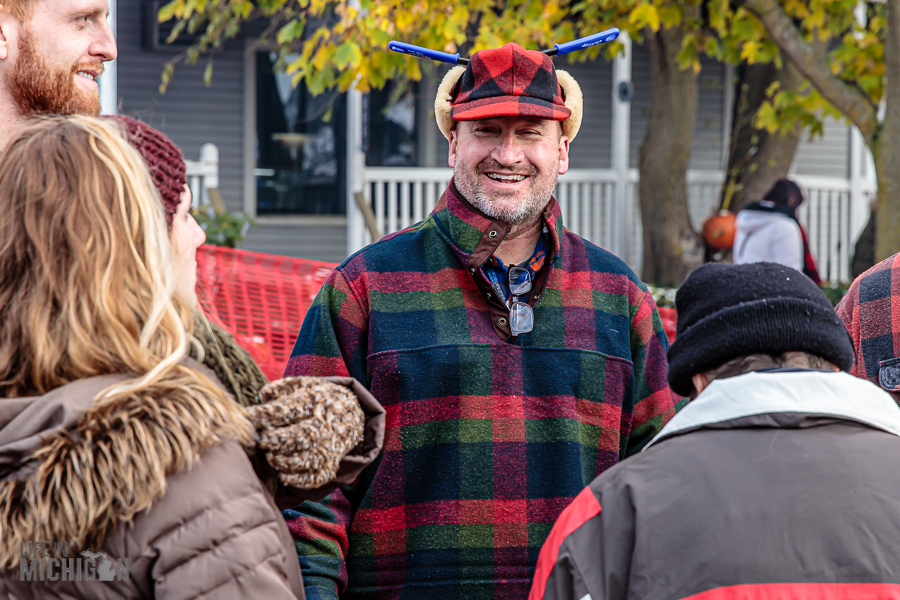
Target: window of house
x,y
390,128
300,145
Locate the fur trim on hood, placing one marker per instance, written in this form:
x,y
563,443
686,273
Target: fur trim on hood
x,y
72,469
571,92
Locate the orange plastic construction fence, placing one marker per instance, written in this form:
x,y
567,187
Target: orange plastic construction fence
x,y
669,319
260,299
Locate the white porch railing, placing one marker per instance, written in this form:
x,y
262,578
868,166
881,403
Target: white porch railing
x,y
832,217
203,174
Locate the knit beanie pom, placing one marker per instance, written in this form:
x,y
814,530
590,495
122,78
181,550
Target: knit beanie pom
x,y
163,159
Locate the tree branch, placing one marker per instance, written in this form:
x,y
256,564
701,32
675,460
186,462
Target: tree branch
x,y
852,102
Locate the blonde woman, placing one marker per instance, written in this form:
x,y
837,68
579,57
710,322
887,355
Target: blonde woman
x,y
123,471
233,365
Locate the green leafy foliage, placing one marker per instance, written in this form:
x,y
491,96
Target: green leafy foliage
x,y
835,290
224,228
853,48
343,43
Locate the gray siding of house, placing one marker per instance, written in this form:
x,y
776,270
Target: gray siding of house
x,y
707,152
190,113
828,155
592,149
316,241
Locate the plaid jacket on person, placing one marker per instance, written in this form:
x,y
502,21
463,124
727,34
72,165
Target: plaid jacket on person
x,y
487,437
871,312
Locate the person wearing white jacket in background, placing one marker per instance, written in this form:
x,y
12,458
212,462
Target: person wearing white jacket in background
x,y
768,232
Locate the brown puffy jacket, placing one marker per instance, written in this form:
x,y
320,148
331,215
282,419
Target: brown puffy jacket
x,y
209,530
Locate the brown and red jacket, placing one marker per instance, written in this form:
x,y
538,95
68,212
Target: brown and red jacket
x,y
780,484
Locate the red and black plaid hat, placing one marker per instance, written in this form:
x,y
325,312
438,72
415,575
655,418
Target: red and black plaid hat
x,y
508,82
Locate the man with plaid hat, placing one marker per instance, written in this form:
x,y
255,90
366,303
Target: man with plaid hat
x,y
51,53
778,480
515,360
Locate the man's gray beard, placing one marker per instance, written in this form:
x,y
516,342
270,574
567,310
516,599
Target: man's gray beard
x,y
535,200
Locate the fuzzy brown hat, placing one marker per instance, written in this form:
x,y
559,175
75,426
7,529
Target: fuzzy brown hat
x,y
163,158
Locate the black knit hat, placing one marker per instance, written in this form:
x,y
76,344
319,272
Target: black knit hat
x,y
728,311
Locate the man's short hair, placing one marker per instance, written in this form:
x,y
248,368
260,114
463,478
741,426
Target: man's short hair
x,y
755,362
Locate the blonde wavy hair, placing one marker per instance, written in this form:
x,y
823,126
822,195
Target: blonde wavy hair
x,y
87,272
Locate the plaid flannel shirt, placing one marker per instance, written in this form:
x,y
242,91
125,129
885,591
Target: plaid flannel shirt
x,y
871,312
488,437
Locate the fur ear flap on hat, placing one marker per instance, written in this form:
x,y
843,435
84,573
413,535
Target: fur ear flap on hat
x,y
571,91
574,102
442,101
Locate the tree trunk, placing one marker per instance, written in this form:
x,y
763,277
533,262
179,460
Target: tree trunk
x,y
671,248
758,159
886,146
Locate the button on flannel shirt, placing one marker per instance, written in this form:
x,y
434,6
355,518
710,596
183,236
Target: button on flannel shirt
x,y
488,437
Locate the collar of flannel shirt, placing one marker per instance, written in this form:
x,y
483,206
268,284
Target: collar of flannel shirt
x,y
475,237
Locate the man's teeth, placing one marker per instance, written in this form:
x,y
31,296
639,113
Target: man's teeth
x,y
85,75
499,177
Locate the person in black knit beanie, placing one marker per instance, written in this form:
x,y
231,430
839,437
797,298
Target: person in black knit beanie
x,y
778,479
730,311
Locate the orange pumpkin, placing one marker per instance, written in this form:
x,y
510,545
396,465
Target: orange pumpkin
x,y
718,230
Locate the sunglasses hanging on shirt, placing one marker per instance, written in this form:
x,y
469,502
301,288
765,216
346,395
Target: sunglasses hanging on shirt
x,y
521,317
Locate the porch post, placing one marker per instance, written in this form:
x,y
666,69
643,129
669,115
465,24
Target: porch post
x,y
356,164
621,133
107,82
861,180
862,174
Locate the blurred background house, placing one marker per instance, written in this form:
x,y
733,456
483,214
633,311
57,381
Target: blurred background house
x,y
294,161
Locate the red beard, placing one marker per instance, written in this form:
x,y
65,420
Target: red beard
x,y
39,89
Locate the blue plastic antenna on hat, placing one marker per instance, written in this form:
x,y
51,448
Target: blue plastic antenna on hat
x,y
557,50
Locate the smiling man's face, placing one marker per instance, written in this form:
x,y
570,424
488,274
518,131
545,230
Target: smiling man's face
x,y
507,167
56,56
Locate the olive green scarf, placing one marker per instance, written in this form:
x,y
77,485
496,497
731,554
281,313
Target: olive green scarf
x,y
231,363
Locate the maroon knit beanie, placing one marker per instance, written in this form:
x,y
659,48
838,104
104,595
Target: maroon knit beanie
x,y
163,159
